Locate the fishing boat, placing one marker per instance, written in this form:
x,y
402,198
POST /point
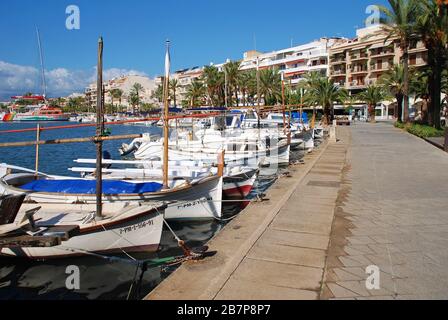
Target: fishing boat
x,y
196,199
49,232
238,181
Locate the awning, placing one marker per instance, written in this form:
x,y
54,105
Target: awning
x,y
295,61
291,74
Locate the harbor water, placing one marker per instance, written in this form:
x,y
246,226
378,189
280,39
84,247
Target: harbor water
x,y
100,277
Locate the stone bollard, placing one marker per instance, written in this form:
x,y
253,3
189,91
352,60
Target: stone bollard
x,y
333,131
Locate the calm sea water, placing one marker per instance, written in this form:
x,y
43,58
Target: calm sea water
x,y
100,278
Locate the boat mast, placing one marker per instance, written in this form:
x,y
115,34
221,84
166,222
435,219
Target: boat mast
x,y
165,117
99,132
42,67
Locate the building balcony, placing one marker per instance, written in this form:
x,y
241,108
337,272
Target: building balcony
x,y
357,85
359,57
380,68
418,49
382,54
359,71
337,62
336,73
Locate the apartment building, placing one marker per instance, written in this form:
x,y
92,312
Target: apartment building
x,y
361,61
125,84
295,62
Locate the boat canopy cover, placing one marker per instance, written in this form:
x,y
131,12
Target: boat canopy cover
x,y
89,187
296,115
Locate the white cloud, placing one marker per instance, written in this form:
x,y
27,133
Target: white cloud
x,y
17,79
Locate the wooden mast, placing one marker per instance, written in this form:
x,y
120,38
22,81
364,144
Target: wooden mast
x,y
165,117
99,132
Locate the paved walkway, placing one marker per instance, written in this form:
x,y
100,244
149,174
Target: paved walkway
x,y
392,212
377,197
275,249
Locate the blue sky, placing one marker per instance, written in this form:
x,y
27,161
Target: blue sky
x,y
134,31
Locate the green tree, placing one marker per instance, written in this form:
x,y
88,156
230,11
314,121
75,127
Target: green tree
x,y
270,86
134,100
135,95
393,82
432,26
372,95
157,94
195,93
214,84
401,23
117,94
419,86
232,72
174,86
321,91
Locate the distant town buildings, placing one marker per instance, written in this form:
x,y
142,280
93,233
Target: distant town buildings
x,y
351,63
125,84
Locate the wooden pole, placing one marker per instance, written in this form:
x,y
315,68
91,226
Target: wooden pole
x,y
221,163
99,132
37,148
283,104
165,120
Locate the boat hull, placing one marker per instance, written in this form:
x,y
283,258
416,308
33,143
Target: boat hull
x,y
134,234
200,200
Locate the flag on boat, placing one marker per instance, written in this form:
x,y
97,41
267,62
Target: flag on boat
x,y
167,60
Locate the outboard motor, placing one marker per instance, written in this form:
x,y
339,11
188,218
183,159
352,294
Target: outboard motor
x,y
106,156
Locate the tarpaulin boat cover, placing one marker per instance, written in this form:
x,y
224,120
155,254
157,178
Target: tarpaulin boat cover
x,y
89,187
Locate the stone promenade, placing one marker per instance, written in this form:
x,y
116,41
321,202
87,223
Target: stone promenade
x,y
377,197
392,212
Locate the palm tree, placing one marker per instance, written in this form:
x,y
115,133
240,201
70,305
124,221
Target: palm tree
x,y
195,92
135,93
393,81
325,92
400,23
174,85
214,83
270,86
116,94
372,95
158,93
432,26
232,71
419,86
134,100
311,80
243,82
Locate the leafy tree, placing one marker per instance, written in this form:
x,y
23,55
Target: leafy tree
x,y
270,86
117,94
196,93
174,86
372,95
157,94
321,91
401,23
432,27
393,81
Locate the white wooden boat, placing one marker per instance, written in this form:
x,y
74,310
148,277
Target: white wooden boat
x,y
197,199
238,181
130,228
